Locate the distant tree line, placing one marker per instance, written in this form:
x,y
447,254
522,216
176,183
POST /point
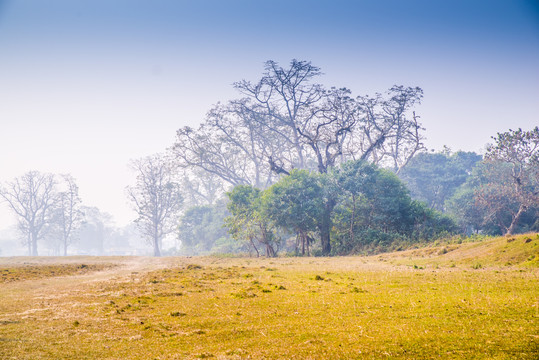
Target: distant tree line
x,y
50,213
46,205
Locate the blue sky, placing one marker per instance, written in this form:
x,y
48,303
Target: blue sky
x,y
85,86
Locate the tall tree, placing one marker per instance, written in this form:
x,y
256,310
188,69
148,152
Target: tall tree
x,y
295,203
513,173
156,198
32,198
67,215
286,120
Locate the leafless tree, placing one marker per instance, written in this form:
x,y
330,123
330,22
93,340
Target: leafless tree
x,y
32,197
387,134
67,215
283,99
199,187
156,198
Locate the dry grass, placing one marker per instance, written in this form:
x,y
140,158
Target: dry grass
x,y
422,305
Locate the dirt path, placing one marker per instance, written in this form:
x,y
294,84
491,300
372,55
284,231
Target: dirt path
x,y
21,298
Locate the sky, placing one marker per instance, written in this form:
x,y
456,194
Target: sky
x,y
86,86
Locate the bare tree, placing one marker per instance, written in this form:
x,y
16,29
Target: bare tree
x,y
200,188
32,197
386,133
284,98
156,198
67,216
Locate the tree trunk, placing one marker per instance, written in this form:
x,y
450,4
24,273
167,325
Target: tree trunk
x,y
156,250
352,219
325,227
516,218
254,246
29,244
34,244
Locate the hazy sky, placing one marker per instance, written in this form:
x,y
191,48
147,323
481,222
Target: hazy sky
x,y
85,86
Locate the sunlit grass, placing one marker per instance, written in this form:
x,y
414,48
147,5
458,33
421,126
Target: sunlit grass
x,y
401,305
35,271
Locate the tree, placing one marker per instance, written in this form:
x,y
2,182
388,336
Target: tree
x,y
355,181
374,209
67,214
200,188
519,151
463,208
295,204
156,198
434,177
95,231
286,120
201,229
32,197
247,222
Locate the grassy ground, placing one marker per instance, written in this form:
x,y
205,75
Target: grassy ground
x,y
454,301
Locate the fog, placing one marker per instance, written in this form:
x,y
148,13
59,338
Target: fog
x,y
87,87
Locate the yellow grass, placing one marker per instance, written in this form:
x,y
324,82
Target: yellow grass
x,y
465,302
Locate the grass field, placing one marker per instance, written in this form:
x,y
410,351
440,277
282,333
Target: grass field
x,y
477,300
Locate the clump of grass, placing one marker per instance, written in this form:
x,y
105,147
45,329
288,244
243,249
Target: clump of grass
x,y
204,356
443,251
243,295
194,267
355,289
177,314
318,277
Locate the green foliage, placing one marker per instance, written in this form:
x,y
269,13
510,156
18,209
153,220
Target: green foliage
x,y
375,210
434,178
367,208
201,230
295,204
247,222
295,201
492,200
